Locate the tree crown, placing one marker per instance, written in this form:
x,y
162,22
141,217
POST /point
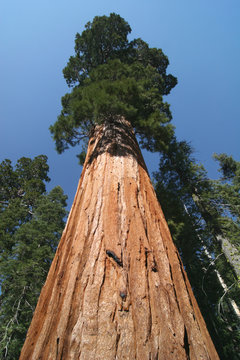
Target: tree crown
x,y
111,76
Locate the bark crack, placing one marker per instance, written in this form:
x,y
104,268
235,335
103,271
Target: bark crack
x,y
186,343
57,347
149,330
117,342
174,289
112,255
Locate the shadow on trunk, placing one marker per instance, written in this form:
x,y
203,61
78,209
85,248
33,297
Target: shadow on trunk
x,y
117,138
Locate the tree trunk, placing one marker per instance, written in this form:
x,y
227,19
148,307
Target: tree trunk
x,y
230,251
117,288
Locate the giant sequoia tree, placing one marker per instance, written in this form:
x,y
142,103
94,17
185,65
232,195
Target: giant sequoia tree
x,y
116,288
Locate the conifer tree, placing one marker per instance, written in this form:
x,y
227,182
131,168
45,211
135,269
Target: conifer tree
x,y
116,288
226,196
195,208
31,222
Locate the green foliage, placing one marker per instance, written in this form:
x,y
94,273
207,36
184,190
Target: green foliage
x,y
228,166
226,196
114,77
31,222
103,39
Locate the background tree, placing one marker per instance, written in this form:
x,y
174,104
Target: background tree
x,y
31,222
202,216
226,197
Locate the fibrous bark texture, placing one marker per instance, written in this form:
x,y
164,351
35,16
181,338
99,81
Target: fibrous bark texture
x,y
117,288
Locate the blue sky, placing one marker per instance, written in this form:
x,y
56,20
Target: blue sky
x,y
200,38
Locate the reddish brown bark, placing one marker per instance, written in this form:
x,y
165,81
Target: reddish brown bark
x,y
116,288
